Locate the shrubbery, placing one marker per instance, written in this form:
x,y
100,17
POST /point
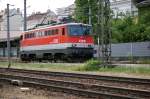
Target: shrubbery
x,y
91,65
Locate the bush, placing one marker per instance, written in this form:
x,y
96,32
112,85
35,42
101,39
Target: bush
x,y
91,65
144,61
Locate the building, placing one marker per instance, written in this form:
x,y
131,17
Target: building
x,y
123,7
16,21
141,3
40,18
16,28
66,11
119,8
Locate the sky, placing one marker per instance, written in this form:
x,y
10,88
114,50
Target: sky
x,y
36,5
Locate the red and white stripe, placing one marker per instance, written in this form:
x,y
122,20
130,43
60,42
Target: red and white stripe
x,y
56,46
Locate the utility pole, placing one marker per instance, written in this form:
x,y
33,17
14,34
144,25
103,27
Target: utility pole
x,y
90,13
107,41
98,30
25,16
104,33
8,37
102,29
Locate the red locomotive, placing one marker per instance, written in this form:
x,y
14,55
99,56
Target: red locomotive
x,y
71,41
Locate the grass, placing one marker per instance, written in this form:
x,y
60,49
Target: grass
x,y
117,69
127,70
144,61
94,65
43,66
87,67
91,65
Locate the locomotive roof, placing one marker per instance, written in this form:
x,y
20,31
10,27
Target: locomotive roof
x,y
47,26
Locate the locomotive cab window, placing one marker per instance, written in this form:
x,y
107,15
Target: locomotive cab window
x,y
79,30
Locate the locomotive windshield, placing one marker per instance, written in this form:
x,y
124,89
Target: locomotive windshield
x,y
79,30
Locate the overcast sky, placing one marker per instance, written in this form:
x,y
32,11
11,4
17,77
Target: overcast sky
x,y
37,5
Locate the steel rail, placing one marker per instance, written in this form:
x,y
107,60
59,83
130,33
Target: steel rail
x,y
82,76
81,92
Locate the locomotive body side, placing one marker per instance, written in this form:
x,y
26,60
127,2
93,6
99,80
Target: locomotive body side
x,y
57,43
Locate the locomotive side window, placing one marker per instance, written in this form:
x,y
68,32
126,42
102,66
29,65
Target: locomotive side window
x,y
40,33
63,31
45,33
29,35
32,35
56,31
49,32
25,36
53,32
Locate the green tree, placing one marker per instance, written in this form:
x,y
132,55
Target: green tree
x,y
82,14
124,29
82,11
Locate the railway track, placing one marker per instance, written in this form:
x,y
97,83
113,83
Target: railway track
x,y
79,85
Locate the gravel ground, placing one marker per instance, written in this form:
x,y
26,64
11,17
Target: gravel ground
x,y
86,81
8,91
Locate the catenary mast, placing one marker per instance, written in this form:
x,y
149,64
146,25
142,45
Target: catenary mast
x,y
104,34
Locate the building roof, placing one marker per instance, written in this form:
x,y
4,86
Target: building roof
x,y
36,16
141,3
39,15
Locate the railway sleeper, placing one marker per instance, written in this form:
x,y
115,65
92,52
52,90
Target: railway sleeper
x,y
103,89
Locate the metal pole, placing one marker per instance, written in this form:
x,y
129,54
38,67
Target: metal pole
x,y
8,37
102,31
90,13
25,16
98,41
98,29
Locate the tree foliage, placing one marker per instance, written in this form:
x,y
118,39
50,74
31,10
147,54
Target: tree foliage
x,y
82,14
124,29
82,10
